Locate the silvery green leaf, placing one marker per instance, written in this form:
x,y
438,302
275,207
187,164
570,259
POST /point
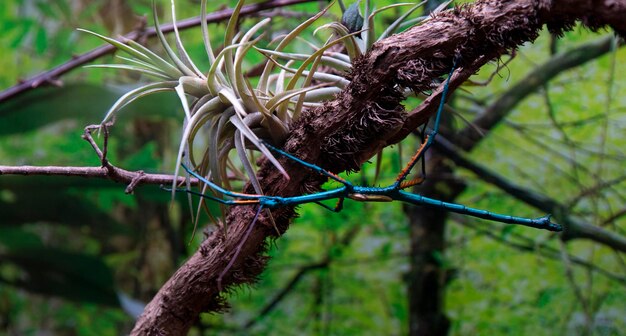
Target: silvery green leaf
x,y
146,66
119,45
263,80
181,48
229,38
313,57
156,60
237,120
138,93
332,62
205,33
394,26
321,94
353,48
243,158
320,76
179,64
215,79
129,67
192,122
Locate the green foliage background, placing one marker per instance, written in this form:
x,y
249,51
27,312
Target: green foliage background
x,y
69,246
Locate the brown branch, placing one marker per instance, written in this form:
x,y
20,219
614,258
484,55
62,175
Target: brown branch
x,y
107,171
52,76
344,133
132,178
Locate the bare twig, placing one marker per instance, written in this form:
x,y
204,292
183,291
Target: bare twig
x,y
106,170
115,174
561,62
569,275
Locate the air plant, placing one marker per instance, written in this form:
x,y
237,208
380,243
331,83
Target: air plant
x,y
223,106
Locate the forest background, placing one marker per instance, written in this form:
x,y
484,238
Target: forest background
x,y
79,255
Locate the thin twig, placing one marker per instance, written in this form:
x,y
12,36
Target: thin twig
x,y
299,275
118,175
106,170
569,275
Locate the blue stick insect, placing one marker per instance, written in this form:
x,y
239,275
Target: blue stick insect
x,y
393,192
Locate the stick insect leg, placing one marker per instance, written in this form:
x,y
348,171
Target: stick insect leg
x,y
338,207
311,166
238,249
220,189
428,141
213,198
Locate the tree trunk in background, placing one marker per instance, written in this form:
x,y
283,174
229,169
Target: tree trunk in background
x,y
428,275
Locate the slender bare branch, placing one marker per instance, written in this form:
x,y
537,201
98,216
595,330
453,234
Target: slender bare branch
x,y
132,178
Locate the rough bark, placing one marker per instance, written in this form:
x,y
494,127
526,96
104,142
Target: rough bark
x,y
348,130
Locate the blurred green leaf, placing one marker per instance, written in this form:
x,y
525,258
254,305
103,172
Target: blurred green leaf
x,y
352,18
46,9
15,237
54,205
23,28
41,40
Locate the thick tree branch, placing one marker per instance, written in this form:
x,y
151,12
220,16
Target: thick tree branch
x,y
349,130
52,76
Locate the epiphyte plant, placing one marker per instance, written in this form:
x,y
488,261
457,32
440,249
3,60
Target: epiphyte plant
x,y
221,105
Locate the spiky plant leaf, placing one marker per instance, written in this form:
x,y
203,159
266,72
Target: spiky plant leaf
x,y
147,66
393,28
138,93
131,68
333,62
206,38
284,42
184,56
238,123
119,45
170,52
